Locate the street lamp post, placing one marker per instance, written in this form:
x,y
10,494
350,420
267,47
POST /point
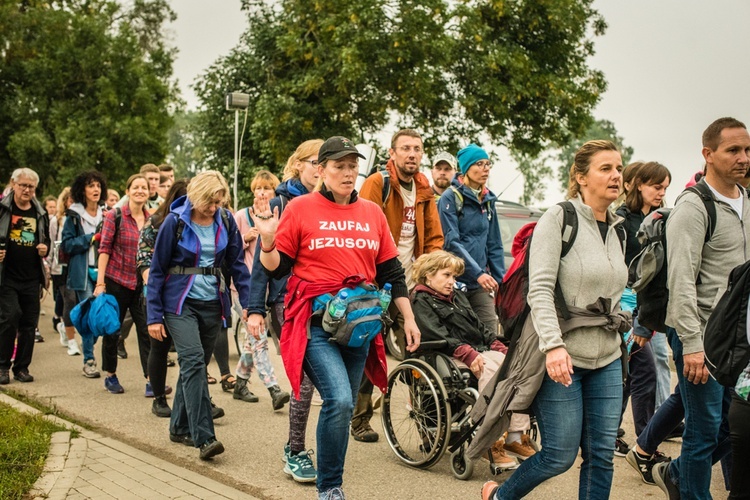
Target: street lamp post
x,y
236,101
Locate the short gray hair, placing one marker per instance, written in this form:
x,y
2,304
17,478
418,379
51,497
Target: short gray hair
x,y
25,172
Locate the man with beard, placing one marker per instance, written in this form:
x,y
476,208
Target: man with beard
x,y
443,170
409,206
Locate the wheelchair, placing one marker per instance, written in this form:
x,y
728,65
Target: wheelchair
x,y
426,411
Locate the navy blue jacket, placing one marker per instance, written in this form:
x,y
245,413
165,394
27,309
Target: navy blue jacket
x,y
264,290
167,292
474,235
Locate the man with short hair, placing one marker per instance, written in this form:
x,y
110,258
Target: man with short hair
x,y
24,241
443,169
152,174
414,223
697,275
168,170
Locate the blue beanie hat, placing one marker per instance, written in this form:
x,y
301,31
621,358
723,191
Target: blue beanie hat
x,y
469,155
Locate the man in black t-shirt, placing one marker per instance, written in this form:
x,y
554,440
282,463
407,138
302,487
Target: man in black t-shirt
x,y
24,241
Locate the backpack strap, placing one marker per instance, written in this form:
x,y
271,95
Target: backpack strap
x,y
284,200
707,197
249,219
569,232
458,200
386,185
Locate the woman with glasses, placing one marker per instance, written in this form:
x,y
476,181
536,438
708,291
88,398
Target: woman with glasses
x,y
472,231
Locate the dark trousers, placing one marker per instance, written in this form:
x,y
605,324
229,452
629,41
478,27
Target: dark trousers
x,y
127,300
640,387
739,433
19,316
157,362
221,352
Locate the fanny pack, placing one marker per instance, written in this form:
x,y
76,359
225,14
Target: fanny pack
x,y
362,321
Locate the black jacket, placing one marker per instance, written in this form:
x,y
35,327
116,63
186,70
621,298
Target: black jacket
x,y
631,224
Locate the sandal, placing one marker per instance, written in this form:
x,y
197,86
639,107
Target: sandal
x,y
227,383
211,380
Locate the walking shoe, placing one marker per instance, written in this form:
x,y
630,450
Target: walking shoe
x,y
4,377
241,391
621,447
278,397
121,352
182,439
521,449
150,391
73,349
663,480
23,376
210,449
55,322
38,336
677,431
642,465
620,432
364,433
332,494
501,459
170,361
90,371
60,328
287,452
160,408
216,412
113,385
489,489
300,467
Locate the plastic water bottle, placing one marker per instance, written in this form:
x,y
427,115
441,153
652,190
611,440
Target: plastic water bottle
x,y
385,296
337,307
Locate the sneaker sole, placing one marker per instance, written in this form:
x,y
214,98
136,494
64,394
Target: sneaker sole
x,y
93,375
658,481
216,449
297,478
630,459
78,353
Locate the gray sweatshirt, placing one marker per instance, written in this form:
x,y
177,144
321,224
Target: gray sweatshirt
x,y
592,269
691,304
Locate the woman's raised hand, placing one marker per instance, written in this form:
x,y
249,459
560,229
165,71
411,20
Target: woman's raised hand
x,y
266,221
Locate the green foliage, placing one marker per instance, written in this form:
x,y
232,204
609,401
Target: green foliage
x,y
25,443
513,71
84,84
186,145
599,129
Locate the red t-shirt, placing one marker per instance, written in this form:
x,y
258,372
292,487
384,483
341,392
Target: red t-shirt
x,y
332,242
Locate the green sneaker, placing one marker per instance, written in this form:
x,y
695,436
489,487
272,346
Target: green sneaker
x,y
300,467
287,452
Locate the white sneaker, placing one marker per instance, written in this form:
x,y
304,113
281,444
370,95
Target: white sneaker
x,y
89,369
73,349
63,335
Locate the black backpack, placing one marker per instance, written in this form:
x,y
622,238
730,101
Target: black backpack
x,y
725,344
653,294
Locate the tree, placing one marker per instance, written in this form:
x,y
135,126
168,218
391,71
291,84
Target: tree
x,y
513,71
186,145
599,129
84,84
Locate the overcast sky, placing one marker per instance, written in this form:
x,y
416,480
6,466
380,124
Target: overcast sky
x,y
672,67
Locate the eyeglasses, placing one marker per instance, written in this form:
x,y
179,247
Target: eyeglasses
x,y
408,149
485,164
314,163
26,187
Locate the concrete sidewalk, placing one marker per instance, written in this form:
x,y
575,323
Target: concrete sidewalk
x,y
97,467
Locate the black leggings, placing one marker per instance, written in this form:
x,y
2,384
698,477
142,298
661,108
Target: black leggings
x,y
131,300
739,433
157,361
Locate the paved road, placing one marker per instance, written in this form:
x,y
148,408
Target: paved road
x,y
254,435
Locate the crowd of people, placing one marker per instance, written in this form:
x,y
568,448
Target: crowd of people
x,y
178,261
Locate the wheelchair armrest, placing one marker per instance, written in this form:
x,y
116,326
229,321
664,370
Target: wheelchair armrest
x,y
431,345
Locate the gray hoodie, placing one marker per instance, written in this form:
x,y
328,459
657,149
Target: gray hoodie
x,y
592,269
691,300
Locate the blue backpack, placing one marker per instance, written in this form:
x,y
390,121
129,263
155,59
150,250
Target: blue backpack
x,y
362,321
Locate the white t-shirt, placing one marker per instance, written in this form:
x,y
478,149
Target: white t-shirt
x,y
408,235
735,203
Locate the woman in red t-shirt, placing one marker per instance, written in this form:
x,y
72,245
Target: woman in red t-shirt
x,y
330,239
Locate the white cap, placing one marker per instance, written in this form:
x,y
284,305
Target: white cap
x,y
446,157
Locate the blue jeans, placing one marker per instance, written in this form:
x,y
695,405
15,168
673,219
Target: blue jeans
x,y
663,373
584,415
194,335
337,372
706,437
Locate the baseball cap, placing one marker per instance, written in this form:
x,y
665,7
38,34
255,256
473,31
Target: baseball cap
x,y
446,157
337,147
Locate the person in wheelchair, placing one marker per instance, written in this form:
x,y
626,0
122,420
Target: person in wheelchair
x,y
443,313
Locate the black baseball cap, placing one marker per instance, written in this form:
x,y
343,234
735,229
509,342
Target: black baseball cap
x,y
337,147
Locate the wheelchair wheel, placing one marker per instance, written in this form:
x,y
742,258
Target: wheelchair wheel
x,y
392,345
416,415
461,467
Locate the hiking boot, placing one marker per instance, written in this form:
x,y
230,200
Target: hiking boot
x,y
621,448
4,377
38,337
489,489
90,370
300,467
121,352
73,349
60,328
160,408
216,412
332,494
23,376
112,384
241,391
170,361
278,397
520,449
182,439
663,480
500,459
210,449
364,433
